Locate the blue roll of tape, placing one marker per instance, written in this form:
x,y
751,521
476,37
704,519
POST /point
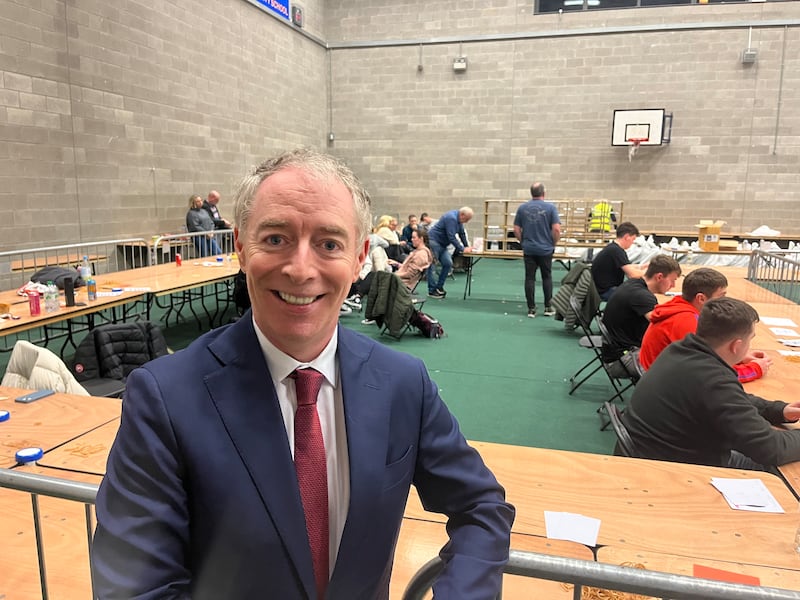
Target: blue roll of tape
x,y
4,415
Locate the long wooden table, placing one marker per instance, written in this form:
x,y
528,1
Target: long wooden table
x,y
51,421
144,284
643,504
682,565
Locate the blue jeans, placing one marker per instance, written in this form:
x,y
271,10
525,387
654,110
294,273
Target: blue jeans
x,y
441,254
206,246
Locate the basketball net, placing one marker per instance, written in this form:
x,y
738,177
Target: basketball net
x,y
634,146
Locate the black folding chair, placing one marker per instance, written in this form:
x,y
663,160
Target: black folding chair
x,y
588,340
625,444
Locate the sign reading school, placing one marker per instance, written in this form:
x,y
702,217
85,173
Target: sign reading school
x,y
279,7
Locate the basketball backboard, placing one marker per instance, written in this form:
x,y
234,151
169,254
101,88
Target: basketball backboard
x,y
648,126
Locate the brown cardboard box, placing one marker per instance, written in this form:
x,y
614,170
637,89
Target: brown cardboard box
x,y
728,245
708,237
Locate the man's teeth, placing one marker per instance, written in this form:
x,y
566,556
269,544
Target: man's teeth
x,y
296,299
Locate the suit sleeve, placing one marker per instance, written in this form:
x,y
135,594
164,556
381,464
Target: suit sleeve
x,y
452,479
141,540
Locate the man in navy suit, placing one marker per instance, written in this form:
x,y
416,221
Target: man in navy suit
x,y
201,496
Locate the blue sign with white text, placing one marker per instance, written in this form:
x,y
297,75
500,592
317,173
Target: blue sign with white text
x,y
279,7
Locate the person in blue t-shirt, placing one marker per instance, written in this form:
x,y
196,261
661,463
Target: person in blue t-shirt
x,y
538,228
447,230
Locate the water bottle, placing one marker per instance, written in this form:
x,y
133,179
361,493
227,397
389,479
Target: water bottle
x,y
51,298
86,269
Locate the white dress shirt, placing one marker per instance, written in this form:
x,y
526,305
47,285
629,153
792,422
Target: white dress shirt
x,y
331,416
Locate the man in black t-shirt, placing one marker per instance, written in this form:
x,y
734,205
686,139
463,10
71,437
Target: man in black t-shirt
x,y
611,264
627,315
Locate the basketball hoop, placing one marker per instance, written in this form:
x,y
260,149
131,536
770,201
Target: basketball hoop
x,y
634,142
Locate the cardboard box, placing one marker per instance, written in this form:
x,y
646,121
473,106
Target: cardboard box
x,y
728,245
708,237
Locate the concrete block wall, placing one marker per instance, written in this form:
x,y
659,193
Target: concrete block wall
x,y
541,108
113,113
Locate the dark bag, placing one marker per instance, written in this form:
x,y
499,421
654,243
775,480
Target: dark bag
x,y
241,298
427,325
57,275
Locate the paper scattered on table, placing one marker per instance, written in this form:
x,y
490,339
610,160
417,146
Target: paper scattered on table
x,y
673,294
789,352
571,527
212,264
108,294
137,289
792,343
784,332
747,494
777,322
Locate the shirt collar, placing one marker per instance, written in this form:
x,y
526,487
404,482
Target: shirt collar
x,y
281,365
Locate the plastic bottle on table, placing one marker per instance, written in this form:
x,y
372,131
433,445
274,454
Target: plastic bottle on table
x,y
51,298
91,289
86,269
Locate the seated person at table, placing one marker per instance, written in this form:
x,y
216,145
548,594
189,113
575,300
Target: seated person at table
x,y
198,219
611,264
387,229
690,406
405,236
412,268
409,271
672,320
628,313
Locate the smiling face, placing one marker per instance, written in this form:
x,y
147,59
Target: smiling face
x,y
301,252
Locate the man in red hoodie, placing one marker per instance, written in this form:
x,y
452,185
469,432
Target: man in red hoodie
x,y
672,320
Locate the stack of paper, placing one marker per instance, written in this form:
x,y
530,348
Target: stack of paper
x,y
747,494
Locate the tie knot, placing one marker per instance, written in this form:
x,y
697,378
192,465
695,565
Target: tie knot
x,y
307,383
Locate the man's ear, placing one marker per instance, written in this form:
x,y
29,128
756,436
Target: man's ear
x,y
239,246
701,298
735,346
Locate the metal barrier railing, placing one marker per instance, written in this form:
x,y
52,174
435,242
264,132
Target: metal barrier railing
x,y
17,266
588,573
528,564
39,485
192,246
778,272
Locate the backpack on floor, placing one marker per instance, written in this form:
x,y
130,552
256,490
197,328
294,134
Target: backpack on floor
x,y
427,325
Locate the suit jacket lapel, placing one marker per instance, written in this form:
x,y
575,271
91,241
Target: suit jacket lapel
x,y
367,421
245,399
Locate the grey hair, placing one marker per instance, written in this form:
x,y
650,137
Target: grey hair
x,y
323,167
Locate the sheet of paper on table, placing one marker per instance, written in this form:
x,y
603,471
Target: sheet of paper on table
x,y
777,322
784,332
571,527
747,494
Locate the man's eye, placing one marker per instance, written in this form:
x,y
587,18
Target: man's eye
x,y
273,240
330,245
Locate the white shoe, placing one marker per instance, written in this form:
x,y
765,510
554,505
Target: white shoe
x,y
368,322
353,301
345,310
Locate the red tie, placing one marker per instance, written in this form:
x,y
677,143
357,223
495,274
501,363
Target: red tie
x,y
312,472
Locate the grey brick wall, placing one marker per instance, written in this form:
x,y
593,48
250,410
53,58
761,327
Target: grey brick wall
x,y
113,113
541,108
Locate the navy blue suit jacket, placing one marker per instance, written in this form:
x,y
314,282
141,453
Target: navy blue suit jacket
x,y
200,498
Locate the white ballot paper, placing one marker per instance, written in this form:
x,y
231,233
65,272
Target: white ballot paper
x,y
784,332
777,322
571,527
747,494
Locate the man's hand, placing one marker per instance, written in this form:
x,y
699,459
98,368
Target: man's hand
x,y
791,412
761,359
467,249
